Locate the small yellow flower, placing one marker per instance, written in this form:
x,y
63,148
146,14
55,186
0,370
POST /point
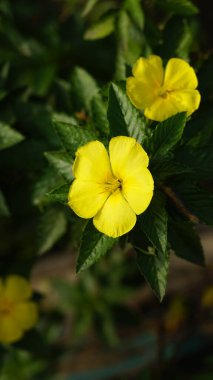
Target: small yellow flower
x,y
17,313
112,189
163,93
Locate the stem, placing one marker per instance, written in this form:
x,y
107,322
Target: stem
x,y
179,204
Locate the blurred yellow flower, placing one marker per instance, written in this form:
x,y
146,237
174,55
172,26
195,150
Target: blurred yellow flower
x,y
163,93
175,315
17,312
207,298
112,189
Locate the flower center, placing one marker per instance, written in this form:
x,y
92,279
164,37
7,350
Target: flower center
x,y
164,93
112,185
6,307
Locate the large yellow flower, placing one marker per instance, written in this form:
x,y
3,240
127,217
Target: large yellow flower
x,y
112,188
163,93
17,312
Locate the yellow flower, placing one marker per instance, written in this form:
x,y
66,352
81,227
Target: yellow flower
x,y
112,188
17,313
163,93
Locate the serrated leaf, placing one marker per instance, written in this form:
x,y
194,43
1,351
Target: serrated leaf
x,y
93,246
124,119
166,135
60,194
185,242
99,115
83,88
8,136
101,29
64,118
154,222
155,270
62,162
182,7
51,228
4,210
198,201
73,136
199,160
164,169
134,9
199,130
48,180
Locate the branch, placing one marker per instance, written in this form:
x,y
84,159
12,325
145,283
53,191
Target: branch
x,y
179,204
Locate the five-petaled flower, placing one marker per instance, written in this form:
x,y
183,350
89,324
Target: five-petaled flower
x,y
161,94
112,189
17,312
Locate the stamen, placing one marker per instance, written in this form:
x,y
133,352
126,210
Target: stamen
x,y
112,185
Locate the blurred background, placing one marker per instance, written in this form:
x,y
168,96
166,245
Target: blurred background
x,y
104,323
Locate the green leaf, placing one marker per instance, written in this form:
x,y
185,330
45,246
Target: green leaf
x,y
51,228
155,270
134,9
185,242
4,211
182,7
64,118
36,121
122,39
205,78
8,136
199,130
99,115
83,88
73,136
93,246
48,180
154,222
178,38
62,162
166,135
124,119
164,169
88,7
101,29
60,194
196,200
199,160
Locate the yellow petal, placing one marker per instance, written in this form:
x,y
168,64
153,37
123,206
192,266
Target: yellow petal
x,y
25,315
174,102
187,100
162,108
149,69
179,75
116,218
138,190
92,163
9,330
17,288
142,94
86,198
143,88
126,156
